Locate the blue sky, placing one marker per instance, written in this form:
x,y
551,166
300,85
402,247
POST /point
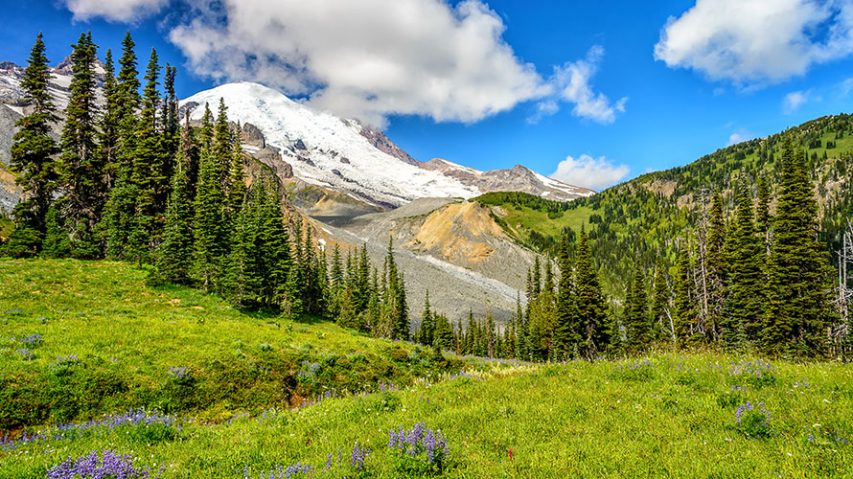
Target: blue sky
x,y
617,87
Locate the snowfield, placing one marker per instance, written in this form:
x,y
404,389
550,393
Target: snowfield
x,y
328,151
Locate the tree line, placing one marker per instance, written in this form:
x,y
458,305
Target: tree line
x,y
129,180
754,276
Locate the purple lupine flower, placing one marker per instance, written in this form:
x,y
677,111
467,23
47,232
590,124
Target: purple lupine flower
x,y
109,465
358,456
329,461
179,372
747,406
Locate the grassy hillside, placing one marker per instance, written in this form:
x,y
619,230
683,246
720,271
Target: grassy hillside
x,y
668,416
643,219
79,339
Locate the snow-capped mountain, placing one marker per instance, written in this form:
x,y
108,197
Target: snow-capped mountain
x,y
345,155
517,178
326,150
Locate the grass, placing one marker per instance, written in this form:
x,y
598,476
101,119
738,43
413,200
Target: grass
x,y
103,341
665,416
521,221
671,417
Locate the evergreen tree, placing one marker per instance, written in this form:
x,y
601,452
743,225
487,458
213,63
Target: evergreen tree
x,y
660,305
119,211
443,333
56,243
744,304
590,303
148,170
210,245
638,327
716,271
684,305
31,158
428,327
762,214
568,333
174,255
80,164
109,124
799,290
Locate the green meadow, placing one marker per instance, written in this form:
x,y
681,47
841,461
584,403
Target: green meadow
x,y
90,341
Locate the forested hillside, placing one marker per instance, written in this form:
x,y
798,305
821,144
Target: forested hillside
x,y
642,221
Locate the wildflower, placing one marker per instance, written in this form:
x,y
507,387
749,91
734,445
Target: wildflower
x,y
509,452
110,464
358,456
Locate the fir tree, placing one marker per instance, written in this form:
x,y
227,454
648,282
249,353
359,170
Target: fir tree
x,y
744,310
80,164
684,307
119,211
31,158
209,234
148,170
799,293
717,263
56,243
590,303
638,328
428,327
660,315
174,255
568,332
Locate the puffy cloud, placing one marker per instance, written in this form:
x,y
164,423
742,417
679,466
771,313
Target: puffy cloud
x,y
366,59
794,100
574,85
739,136
114,10
755,42
589,172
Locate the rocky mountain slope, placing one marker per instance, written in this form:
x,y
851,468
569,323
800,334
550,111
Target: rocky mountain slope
x,y
347,156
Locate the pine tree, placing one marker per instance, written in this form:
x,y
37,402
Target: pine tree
x,y
174,255
717,265
209,233
684,305
428,326
568,333
56,243
762,214
798,292
660,315
118,215
638,328
744,305
590,303
148,170
80,164
31,158
108,125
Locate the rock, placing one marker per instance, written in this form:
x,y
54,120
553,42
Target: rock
x,y
251,135
345,160
300,145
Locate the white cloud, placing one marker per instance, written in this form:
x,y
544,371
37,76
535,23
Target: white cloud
x,y
739,136
372,58
589,172
366,59
794,100
756,42
573,83
114,10
847,86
